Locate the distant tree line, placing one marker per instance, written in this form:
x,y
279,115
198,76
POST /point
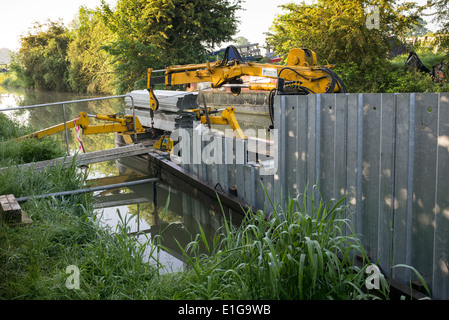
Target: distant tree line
x,y
109,49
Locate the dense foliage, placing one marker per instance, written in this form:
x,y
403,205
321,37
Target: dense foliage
x,y
345,33
26,150
338,30
160,33
42,57
91,68
108,50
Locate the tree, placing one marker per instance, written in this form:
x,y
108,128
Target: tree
x,y
241,41
419,29
352,34
90,67
341,31
41,60
159,33
440,15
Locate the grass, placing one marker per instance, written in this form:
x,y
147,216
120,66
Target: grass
x,y
301,252
427,57
403,79
297,254
305,250
27,150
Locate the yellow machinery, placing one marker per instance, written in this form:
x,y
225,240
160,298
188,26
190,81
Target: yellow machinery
x,y
227,118
205,116
164,143
301,75
123,125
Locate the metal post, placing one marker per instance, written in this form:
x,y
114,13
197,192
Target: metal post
x,y
134,118
92,189
138,217
65,130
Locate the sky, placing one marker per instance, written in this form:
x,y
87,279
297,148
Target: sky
x,y
18,16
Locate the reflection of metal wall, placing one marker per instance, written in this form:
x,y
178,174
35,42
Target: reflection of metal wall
x,y
389,153
228,168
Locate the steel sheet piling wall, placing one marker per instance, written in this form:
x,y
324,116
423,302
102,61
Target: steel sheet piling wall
x,y
389,154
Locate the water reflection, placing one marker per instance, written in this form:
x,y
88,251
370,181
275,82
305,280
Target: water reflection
x,y
141,206
149,211
44,117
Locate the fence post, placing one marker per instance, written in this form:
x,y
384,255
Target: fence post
x,y
65,129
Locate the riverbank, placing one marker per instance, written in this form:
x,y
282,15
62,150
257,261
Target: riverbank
x,y
299,253
65,232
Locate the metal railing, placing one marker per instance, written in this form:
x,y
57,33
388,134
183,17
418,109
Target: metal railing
x,y
63,105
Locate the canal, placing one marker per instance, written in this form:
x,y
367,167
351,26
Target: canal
x,y
142,208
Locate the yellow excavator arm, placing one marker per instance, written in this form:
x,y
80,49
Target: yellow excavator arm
x,y
301,72
120,124
227,118
205,116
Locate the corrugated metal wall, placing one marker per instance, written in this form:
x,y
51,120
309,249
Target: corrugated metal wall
x,y
388,153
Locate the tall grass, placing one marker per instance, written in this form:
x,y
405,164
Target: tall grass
x,y
26,150
66,231
303,251
427,57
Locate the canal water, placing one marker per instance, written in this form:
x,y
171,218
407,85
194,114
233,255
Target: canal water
x,y
141,208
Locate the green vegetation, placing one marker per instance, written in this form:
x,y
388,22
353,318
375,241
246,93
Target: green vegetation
x,y
90,68
109,49
43,57
26,150
303,251
160,33
394,76
338,32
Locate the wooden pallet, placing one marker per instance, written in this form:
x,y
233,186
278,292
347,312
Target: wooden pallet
x,y
11,213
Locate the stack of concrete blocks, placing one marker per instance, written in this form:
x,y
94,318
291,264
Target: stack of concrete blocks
x,y
11,213
171,106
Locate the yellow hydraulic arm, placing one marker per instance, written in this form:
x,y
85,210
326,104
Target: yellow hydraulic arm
x,y
227,118
204,115
301,71
124,125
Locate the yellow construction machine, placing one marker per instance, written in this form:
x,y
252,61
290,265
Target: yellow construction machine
x,y
120,124
301,75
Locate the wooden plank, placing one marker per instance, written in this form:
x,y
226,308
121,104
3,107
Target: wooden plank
x,y
10,209
4,204
91,157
